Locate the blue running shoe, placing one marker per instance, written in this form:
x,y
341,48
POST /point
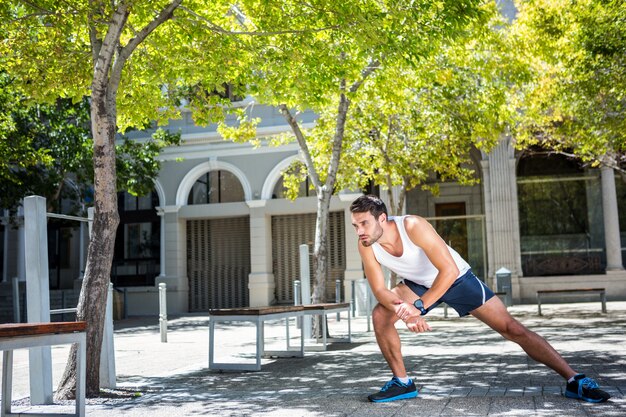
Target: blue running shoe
x,y
394,390
586,389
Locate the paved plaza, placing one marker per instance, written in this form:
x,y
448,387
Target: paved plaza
x,y
461,368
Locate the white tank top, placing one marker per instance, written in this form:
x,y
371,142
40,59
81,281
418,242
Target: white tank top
x,y
414,265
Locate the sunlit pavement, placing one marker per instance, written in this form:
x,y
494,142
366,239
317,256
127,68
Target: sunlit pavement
x,y
461,368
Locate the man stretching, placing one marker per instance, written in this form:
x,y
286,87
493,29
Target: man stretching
x,y
432,272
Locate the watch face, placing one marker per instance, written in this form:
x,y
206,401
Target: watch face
x,y
418,304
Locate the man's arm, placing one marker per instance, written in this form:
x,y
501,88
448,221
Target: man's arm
x,y
424,235
376,279
385,297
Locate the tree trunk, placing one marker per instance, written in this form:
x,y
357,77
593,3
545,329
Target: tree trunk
x,y
320,251
395,209
92,300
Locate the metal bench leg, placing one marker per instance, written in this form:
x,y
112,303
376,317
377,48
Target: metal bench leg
x,y
323,317
260,345
287,331
349,329
603,300
7,381
211,342
539,304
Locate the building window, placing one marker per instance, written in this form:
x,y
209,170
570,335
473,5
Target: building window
x,y
305,189
560,216
216,187
137,255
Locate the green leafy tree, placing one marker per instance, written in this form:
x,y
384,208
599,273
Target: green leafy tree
x,y
574,103
47,145
325,71
416,120
127,57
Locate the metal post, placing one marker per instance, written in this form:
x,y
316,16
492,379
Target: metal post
x,y
297,300
37,295
305,278
338,295
107,351
17,317
163,311
353,300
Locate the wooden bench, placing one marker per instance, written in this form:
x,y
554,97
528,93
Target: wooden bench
x,y
601,291
27,335
258,316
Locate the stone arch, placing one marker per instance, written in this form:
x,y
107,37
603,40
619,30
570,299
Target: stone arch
x,y
275,174
192,176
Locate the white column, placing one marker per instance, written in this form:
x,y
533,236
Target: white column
x,y
261,281
38,295
501,210
174,260
611,221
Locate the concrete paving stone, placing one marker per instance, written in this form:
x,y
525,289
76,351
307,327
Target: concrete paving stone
x,y
496,392
513,407
553,390
436,391
514,392
467,407
478,392
531,391
420,406
460,392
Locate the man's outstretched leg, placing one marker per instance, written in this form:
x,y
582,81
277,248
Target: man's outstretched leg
x,y
495,315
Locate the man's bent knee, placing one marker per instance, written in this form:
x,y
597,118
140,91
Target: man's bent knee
x,y
381,316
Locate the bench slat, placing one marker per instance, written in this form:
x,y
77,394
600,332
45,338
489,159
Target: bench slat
x,y
254,311
30,329
571,290
325,306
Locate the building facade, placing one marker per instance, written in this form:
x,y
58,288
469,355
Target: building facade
x,y
219,232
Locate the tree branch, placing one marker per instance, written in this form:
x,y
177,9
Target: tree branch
x,y
308,161
126,51
107,49
96,43
373,66
342,112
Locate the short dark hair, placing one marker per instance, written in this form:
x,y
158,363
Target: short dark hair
x,y
369,203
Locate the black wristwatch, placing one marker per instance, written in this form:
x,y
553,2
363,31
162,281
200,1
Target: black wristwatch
x,y
419,304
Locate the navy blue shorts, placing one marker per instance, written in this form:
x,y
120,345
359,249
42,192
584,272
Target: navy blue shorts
x,y
466,294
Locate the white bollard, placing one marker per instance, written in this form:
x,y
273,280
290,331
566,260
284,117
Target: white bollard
x,y
305,279
37,295
163,311
107,352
